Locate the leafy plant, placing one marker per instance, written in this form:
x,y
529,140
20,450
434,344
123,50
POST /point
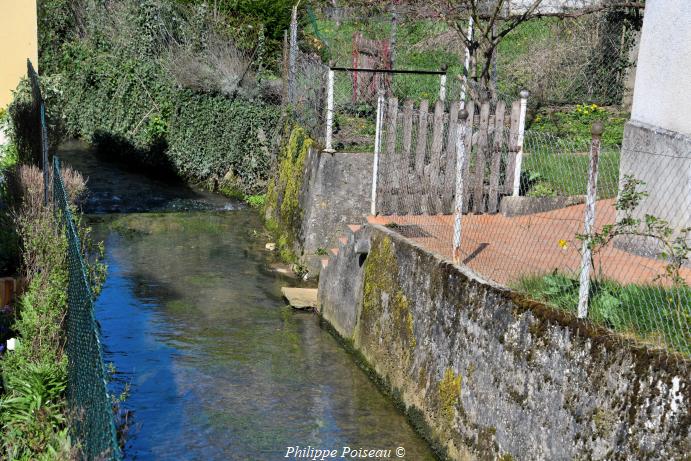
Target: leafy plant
x,y
542,189
648,312
33,412
256,201
675,247
33,406
25,130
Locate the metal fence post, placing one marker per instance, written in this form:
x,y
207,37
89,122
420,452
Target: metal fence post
x,y
519,144
377,150
285,73
586,256
466,64
442,83
44,154
329,112
292,56
458,196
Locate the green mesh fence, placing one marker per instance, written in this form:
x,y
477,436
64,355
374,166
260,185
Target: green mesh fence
x,y
93,425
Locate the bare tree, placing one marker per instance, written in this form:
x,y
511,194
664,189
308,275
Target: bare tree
x,y
493,20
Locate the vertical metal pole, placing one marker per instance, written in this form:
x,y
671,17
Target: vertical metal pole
x,y
44,154
519,143
466,63
442,84
586,256
292,58
377,150
285,71
329,112
458,197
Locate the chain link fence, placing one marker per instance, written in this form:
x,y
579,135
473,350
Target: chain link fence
x,y
91,412
560,61
90,405
589,228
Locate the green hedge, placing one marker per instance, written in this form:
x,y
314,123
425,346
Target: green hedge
x,y
209,135
119,95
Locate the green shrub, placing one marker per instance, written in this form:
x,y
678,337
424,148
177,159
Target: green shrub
x,y
9,244
648,312
25,130
120,96
575,124
255,201
210,136
33,412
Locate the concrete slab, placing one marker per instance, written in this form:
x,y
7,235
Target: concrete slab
x,y
300,298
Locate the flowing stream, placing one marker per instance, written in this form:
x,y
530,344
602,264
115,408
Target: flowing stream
x,y
192,318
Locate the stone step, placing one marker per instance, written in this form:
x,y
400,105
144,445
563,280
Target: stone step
x,y
325,262
334,251
354,227
343,240
300,298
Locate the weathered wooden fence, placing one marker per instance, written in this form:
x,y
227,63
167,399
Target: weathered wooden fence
x,y
417,156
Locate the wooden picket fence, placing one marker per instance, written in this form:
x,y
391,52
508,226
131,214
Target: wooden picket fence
x,y
417,157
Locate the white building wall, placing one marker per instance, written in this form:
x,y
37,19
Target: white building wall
x,y
662,93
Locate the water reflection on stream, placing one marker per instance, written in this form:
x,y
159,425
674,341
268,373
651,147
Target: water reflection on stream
x,y
219,368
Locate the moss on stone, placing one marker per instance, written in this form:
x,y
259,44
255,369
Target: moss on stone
x,y
381,281
282,211
604,422
414,415
486,446
449,394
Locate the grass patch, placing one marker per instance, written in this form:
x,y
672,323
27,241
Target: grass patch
x,y
649,313
575,122
566,173
255,201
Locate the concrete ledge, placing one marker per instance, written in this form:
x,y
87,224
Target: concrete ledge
x,y
519,206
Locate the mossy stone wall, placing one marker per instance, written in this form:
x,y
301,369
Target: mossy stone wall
x,y
282,210
485,374
313,197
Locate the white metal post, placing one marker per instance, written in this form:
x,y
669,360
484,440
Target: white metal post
x,y
292,56
458,202
377,150
586,256
466,63
519,144
329,112
442,84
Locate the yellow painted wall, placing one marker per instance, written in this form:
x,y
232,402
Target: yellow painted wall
x,y
18,41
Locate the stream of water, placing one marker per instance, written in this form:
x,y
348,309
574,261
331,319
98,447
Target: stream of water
x,y
192,318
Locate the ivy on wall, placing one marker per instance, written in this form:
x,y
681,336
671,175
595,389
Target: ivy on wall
x,y
114,61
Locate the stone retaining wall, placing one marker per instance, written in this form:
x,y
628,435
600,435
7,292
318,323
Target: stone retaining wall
x,y
486,374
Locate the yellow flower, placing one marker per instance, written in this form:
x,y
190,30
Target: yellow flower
x,y
563,244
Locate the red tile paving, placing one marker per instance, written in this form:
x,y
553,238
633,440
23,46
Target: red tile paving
x,y
505,249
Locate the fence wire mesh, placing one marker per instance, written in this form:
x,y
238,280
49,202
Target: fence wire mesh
x,y
92,421
533,242
92,424
306,92
560,61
